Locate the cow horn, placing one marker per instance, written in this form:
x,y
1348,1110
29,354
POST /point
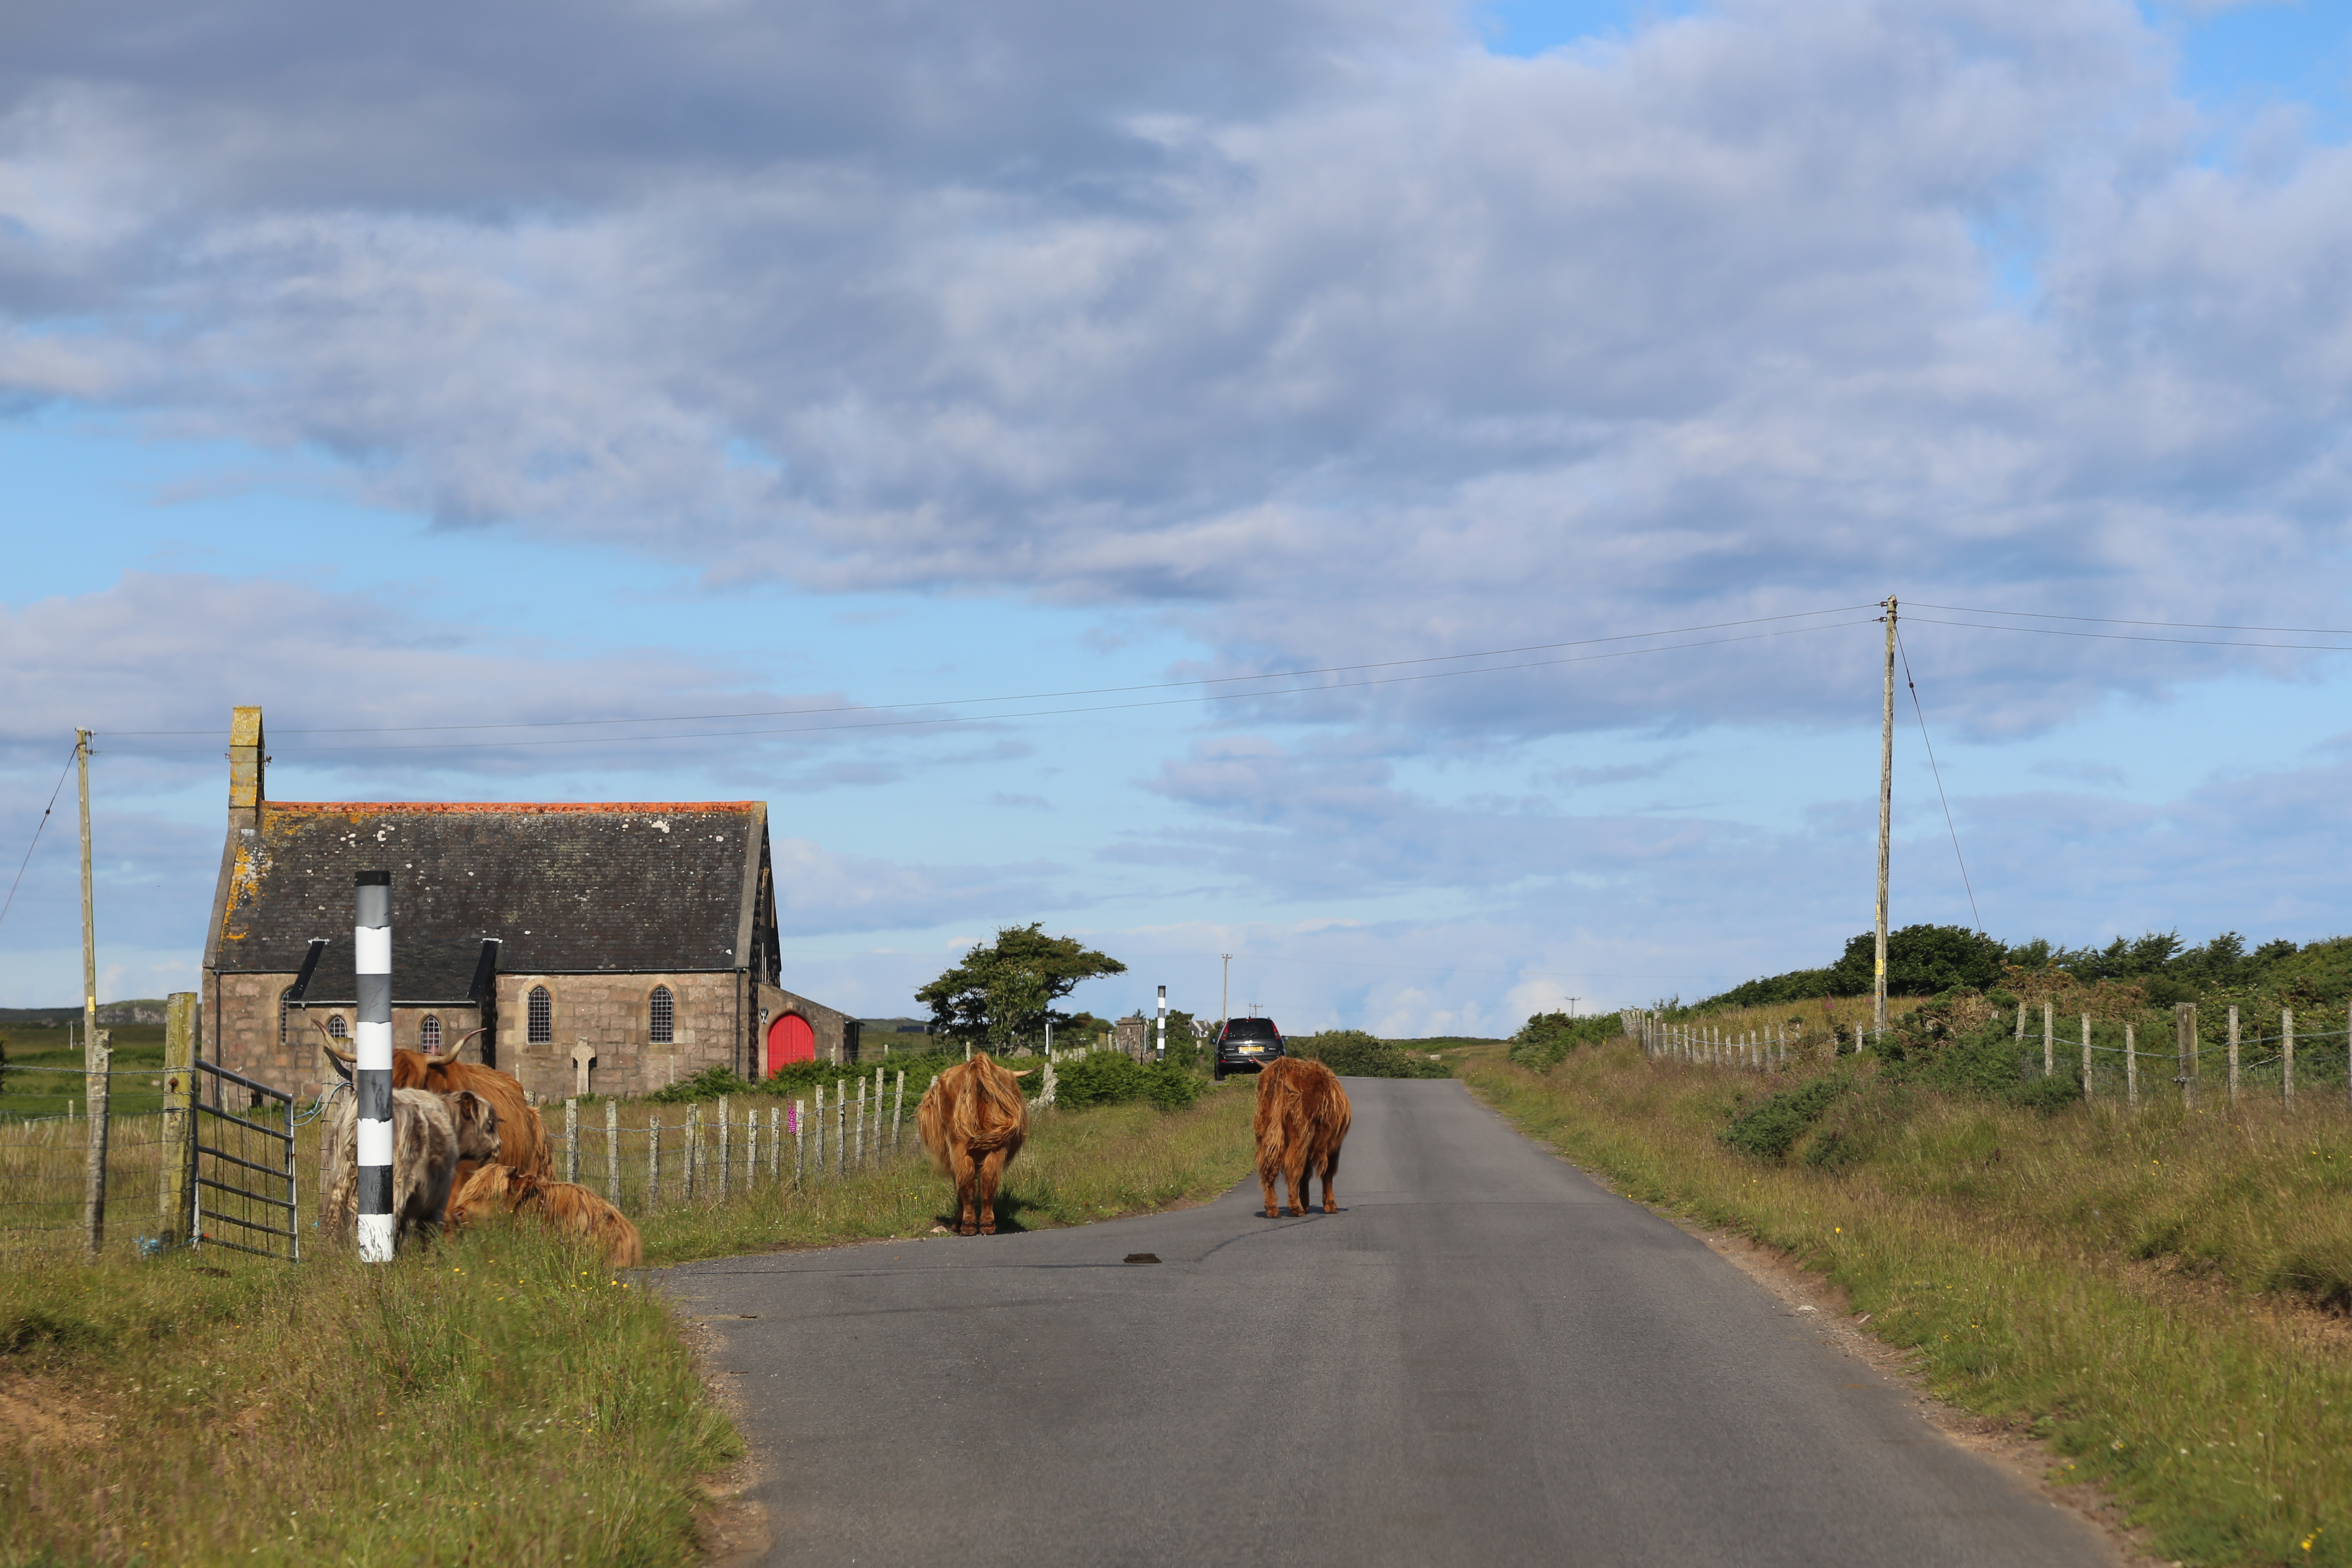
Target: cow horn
x,y
1025,1072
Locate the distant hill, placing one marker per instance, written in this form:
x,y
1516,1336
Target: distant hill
x,y
897,1026
139,1010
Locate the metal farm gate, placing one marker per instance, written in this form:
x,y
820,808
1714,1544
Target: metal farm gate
x,y
246,1192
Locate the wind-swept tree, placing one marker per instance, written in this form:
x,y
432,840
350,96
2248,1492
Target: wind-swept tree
x,y
1005,991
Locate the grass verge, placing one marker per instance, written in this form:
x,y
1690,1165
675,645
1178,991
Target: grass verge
x,y
1077,1166
494,1398
489,1400
2142,1291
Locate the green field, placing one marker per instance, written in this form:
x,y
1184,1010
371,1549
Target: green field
x,y
43,1075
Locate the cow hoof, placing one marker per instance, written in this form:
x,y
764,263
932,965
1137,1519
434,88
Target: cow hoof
x,y
988,1230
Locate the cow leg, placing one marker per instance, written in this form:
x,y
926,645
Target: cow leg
x,y
1330,1169
1295,1168
1266,1175
991,1170
966,1179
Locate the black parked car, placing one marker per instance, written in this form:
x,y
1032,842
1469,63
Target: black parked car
x,y
1246,1045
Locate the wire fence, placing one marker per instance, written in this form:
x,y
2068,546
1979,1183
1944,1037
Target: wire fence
x,y
45,1173
638,1154
2131,1060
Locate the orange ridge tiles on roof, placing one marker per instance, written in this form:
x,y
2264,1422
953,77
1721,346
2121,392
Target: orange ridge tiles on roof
x,y
458,808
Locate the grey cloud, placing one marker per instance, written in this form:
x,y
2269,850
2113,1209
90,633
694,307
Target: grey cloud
x,y
1338,339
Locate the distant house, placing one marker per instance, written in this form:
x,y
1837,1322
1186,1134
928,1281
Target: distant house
x,y
636,941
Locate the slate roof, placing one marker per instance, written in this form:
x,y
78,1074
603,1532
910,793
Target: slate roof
x,y
568,889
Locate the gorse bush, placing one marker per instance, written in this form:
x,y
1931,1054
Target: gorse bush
x,y
1771,1128
1352,1053
1114,1078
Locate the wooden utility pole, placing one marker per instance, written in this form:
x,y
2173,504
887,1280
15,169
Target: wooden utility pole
x,y
1224,995
96,1053
89,919
1886,822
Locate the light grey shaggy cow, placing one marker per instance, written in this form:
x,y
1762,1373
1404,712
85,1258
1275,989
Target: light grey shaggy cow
x,y
430,1134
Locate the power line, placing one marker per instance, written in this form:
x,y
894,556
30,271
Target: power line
x,y
1055,712
1938,774
11,901
2106,621
1031,696
2128,636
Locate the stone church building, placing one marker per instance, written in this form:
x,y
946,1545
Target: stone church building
x,y
619,946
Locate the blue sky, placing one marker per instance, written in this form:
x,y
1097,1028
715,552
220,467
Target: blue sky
x,y
384,374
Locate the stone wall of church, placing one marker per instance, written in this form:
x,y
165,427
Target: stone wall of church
x,y
241,1031
610,1017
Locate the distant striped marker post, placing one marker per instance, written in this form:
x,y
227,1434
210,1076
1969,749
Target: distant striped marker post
x,y
372,952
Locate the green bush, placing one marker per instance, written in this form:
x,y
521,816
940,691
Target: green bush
x,y
1986,1062
1114,1078
1352,1053
1546,1040
799,1080
1771,1128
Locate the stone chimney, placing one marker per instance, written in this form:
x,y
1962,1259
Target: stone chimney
x,y
247,761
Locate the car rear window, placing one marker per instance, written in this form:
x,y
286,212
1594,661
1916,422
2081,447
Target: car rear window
x,y
1251,1029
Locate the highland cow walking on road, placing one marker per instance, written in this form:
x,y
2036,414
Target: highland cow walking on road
x,y
973,1121
1302,1119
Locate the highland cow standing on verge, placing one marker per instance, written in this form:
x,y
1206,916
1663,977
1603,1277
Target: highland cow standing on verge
x,y
430,1134
972,1121
522,1136
1302,1119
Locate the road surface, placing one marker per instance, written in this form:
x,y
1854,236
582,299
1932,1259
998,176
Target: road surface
x,y
1483,1358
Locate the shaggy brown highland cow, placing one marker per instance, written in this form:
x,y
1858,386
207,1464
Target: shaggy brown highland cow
x,y
1302,1119
430,1134
501,1190
523,1142
973,1121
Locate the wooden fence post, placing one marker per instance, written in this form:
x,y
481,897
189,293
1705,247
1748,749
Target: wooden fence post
x,y
612,1151
898,1111
751,1148
2086,1057
653,1160
693,1147
2131,1070
2233,1053
2021,1020
174,1215
775,1142
859,1162
799,1145
2286,1060
819,1130
571,1140
2184,1027
2049,1036
840,1129
101,1064
726,1152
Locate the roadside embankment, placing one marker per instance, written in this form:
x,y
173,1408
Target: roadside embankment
x,y
2159,1293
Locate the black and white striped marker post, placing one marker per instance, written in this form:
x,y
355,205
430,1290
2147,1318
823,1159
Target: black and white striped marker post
x,y
372,952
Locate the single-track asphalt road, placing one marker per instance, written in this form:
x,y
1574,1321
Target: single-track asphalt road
x,y
1481,1358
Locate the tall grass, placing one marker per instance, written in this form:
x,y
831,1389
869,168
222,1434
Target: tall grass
x,y
491,1399
2145,1290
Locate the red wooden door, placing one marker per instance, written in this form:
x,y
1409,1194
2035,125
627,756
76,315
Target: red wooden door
x,y
790,1039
